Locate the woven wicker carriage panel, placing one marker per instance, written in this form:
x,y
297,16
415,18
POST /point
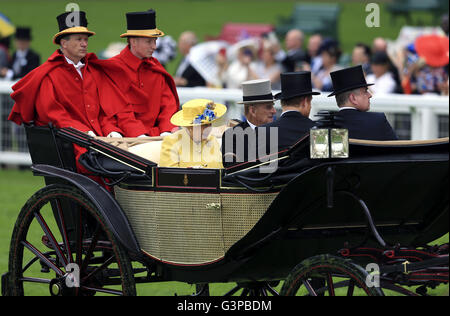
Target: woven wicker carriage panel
x,y
240,212
139,208
188,232
180,228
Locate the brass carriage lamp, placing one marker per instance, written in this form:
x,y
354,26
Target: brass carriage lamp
x,y
326,139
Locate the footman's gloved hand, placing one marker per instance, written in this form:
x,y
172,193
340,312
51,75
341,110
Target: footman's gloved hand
x,y
115,135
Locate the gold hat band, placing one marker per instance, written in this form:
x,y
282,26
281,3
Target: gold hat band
x,y
143,33
73,30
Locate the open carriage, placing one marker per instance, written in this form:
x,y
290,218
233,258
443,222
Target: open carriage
x,y
357,225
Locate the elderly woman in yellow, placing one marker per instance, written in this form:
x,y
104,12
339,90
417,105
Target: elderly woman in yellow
x,y
192,146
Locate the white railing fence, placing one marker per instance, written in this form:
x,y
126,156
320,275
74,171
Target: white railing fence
x,y
416,116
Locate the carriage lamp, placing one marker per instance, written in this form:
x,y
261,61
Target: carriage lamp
x,y
326,140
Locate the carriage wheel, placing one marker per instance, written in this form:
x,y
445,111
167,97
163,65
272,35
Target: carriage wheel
x,y
254,289
328,275
61,246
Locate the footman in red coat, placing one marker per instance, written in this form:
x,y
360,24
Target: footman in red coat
x,y
148,86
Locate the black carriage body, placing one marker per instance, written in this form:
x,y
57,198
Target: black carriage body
x,y
206,225
405,188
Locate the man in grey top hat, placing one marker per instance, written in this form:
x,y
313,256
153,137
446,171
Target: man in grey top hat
x,y
238,143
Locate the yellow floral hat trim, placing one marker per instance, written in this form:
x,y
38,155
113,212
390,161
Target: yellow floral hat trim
x,y
198,112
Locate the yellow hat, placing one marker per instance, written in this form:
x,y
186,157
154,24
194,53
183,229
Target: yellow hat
x,y
198,112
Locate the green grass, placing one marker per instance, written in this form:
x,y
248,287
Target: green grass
x,y
17,186
205,17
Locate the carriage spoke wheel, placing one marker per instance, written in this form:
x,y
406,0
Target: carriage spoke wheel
x,y
254,289
327,275
61,246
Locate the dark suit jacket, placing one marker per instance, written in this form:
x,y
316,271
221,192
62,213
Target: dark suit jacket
x,y
366,125
235,144
292,126
33,61
194,79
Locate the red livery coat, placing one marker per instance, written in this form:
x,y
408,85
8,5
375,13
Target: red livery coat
x,y
54,92
150,89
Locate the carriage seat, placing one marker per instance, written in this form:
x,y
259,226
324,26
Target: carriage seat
x,y
150,151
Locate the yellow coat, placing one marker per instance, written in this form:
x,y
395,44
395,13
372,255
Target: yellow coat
x,y
179,150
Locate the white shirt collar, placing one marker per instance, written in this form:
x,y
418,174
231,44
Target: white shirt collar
x,y
77,66
253,126
289,111
347,108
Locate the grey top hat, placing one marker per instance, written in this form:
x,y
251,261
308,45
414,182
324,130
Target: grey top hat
x,y
256,91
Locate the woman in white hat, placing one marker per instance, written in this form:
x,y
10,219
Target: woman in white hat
x,y
193,146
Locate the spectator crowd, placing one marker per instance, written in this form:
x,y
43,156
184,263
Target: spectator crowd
x,y
419,67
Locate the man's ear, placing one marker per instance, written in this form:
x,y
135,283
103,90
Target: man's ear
x,y
352,99
134,40
252,110
303,102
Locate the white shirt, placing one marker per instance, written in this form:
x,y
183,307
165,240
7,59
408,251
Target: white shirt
x,y
77,66
347,108
383,84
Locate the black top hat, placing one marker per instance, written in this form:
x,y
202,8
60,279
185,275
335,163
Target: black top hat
x,y
348,79
23,33
295,84
72,22
76,18
142,24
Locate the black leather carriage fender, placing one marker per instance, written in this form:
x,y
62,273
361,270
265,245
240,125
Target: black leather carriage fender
x,y
115,218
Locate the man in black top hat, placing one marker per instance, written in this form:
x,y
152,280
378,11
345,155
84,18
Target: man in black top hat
x,y
150,88
294,123
24,58
353,99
